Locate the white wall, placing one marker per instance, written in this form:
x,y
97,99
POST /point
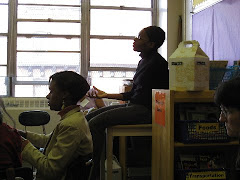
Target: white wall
x,y
15,106
175,9
54,119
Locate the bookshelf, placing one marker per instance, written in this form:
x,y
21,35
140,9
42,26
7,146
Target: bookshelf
x,y
163,142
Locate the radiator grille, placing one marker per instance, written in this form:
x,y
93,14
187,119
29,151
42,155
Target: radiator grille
x,y
29,103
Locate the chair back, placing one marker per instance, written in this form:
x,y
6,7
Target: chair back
x,y
34,118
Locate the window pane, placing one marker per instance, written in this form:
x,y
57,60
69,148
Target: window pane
x,y
128,3
66,2
48,58
163,50
163,23
58,44
34,73
51,12
119,22
163,4
41,73
3,70
113,53
4,18
3,84
3,50
31,90
48,28
109,81
39,66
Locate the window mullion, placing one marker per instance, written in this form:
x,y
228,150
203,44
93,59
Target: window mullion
x,y
155,14
12,44
32,83
49,36
49,20
121,8
48,51
12,38
4,34
112,69
61,5
111,37
85,38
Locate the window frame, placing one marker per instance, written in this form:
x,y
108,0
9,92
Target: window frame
x,y
104,37
84,36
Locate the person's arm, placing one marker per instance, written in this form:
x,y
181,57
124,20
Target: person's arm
x,y
101,94
38,140
53,165
99,102
115,96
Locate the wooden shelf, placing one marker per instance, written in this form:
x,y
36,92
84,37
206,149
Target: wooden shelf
x,y
231,143
192,96
163,144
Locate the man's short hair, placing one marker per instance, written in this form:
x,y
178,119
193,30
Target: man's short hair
x,y
228,93
156,35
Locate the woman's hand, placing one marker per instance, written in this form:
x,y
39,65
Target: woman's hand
x,y
99,93
95,92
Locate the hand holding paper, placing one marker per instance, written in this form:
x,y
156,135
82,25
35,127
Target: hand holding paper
x,y
100,93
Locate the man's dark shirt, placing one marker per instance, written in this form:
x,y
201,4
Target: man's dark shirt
x,y
151,73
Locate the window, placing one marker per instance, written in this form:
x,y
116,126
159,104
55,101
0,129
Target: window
x,y
3,46
117,60
91,37
46,38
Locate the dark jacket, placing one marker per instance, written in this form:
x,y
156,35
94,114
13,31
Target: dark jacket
x,y
151,73
10,147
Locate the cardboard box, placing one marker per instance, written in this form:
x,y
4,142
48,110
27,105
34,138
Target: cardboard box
x,y
188,68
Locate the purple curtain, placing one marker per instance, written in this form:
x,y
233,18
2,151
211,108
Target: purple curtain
x,y
217,29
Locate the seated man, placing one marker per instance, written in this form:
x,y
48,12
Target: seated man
x,y
227,96
10,146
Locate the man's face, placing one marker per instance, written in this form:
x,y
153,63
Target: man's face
x,y
231,117
55,97
141,43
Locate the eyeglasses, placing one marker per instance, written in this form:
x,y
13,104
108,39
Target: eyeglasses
x,y
224,110
139,38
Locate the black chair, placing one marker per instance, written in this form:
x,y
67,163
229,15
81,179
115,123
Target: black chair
x,y
34,118
24,172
